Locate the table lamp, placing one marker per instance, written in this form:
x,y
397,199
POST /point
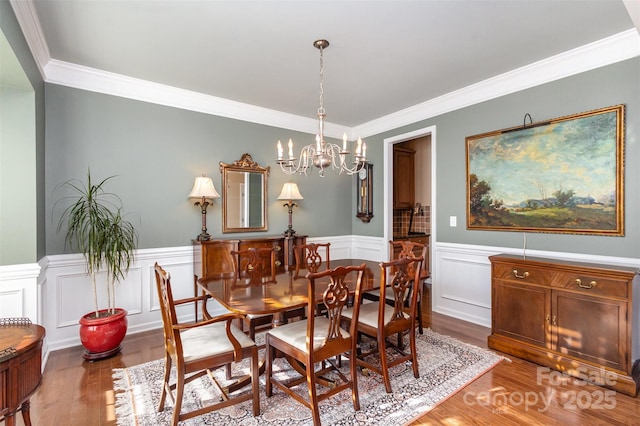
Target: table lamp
x,y
290,192
203,190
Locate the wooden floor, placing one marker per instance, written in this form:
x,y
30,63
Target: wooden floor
x,y
76,392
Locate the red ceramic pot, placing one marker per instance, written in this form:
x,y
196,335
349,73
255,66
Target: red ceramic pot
x,y
102,336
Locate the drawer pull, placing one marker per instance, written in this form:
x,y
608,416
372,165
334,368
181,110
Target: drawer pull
x,y
554,321
278,263
587,286
278,248
522,277
546,318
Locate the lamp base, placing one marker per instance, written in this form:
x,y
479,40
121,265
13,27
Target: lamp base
x,y
204,237
289,233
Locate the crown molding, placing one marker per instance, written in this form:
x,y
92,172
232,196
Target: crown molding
x,y
610,50
616,48
95,80
30,25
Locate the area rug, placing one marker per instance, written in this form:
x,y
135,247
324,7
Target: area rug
x,y
446,366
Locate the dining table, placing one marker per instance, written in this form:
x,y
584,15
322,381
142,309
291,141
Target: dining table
x,y
287,290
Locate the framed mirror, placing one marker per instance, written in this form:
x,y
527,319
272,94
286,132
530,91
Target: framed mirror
x,y
244,195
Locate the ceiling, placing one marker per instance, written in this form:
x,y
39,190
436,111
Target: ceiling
x,y
385,56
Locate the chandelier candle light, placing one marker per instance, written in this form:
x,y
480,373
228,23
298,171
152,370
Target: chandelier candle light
x,y
290,192
203,190
322,154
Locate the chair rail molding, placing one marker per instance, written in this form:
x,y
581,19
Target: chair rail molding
x,y
61,293
19,291
461,277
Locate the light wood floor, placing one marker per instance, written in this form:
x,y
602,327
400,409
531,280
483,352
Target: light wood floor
x,y
76,392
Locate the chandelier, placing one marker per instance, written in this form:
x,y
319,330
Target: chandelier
x,y
323,154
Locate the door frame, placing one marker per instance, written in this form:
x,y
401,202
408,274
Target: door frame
x,y
388,184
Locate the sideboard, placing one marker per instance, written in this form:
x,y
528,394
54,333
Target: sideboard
x,y
210,258
578,318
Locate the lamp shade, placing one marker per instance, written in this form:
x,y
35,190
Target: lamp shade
x,y
203,187
290,192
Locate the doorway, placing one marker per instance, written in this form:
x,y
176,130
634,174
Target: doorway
x,y
427,154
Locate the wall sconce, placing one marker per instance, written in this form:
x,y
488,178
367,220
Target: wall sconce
x,y
290,192
203,190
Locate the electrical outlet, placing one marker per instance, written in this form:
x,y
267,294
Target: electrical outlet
x,y
453,221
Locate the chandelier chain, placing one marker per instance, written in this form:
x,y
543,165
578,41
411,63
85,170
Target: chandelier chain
x,y
321,108
322,155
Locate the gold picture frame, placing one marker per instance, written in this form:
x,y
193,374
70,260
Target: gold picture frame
x,y
565,175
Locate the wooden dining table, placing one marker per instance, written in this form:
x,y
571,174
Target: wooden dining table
x,y
289,290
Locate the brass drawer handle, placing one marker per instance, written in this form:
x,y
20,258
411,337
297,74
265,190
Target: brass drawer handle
x,y
522,277
278,263
278,248
587,286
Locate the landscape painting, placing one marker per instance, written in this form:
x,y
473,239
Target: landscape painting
x,y
560,176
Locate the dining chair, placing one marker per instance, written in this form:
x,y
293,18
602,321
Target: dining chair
x,y
196,348
310,257
382,320
318,339
219,265
398,250
255,265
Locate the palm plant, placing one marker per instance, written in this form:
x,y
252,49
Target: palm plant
x,y
96,228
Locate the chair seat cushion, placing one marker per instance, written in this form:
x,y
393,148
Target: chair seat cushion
x,y
369,314
210,340
295,333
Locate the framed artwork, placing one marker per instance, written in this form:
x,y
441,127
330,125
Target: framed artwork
x,y
560,176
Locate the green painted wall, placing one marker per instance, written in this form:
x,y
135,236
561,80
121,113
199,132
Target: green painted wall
x,y
22,236
607,86
156,153
17,176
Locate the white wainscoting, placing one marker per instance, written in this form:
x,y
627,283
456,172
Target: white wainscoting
x,y
461,277
461,284
20,291
67,292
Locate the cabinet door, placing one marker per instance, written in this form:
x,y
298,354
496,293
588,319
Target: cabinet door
x,y
590,328
403,178
521,312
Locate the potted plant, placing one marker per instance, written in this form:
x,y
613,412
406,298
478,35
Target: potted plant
x,y
95,226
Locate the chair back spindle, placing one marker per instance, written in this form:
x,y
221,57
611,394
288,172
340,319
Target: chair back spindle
x,y
257,264
310,257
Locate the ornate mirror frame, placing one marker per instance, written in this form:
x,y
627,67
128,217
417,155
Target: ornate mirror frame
x,y
244,210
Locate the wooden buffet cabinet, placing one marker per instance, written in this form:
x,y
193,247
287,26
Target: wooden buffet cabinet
x,y
578,318
208,256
